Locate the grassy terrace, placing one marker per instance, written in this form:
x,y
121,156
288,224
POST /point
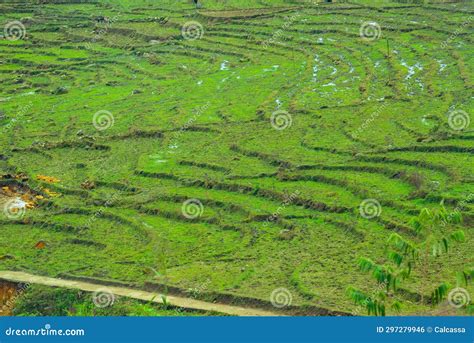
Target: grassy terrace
x,y
192,119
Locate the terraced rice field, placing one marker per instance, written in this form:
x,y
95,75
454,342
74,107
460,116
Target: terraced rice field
x,y
234,150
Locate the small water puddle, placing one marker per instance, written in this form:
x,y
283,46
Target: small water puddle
x,y
442,65
316,67
272,69
225,65
411,69
278,103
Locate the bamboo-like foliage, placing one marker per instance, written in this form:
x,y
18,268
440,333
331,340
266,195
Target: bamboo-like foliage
x,y
405,251
384,274
433,238
431,227
374,305
439,293
465,277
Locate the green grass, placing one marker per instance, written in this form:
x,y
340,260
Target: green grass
x,y
192,121
46,301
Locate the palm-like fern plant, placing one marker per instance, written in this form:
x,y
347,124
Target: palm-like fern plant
x,y
384,274
432,238
465,277
375,305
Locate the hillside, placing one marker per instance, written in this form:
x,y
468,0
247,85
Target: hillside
x,y
245,151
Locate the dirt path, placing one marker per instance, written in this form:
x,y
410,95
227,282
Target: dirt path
x,y
135,294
